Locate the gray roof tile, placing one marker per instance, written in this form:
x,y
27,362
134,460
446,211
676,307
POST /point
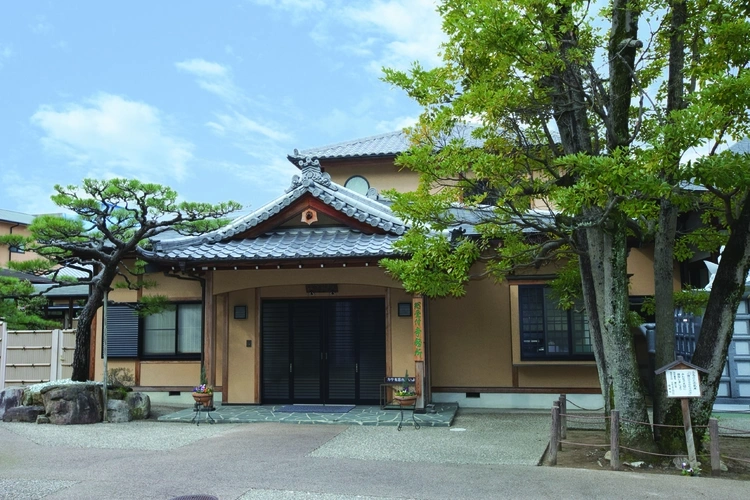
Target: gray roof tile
x,y
302,243
369,211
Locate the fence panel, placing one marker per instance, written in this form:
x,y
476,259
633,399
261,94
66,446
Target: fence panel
x,y
32,356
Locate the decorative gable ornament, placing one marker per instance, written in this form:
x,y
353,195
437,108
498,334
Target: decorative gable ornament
x,y
311,174
309,216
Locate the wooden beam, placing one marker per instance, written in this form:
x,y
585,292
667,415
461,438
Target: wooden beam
x,y
388,334
258,345
225,355
209,339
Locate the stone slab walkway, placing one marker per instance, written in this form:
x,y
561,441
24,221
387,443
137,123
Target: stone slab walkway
x,y
359,415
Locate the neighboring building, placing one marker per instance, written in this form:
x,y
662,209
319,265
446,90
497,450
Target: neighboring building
x,y
288,304
14,223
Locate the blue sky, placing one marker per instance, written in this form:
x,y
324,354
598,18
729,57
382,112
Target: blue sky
x,y
206,97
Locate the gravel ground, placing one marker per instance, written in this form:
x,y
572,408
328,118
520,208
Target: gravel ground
x,y
136,435
476,437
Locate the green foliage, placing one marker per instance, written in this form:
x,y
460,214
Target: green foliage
x,y
21,310
153,304
691,300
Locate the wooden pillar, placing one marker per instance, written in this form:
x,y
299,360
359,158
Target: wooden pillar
x,y
225,349
419,350
209,337
713,432
614,439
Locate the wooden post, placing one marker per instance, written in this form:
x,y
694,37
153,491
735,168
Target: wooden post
x,y
417,306
685,403
713,432
554,435
563,416
55,364
614,440
209,340
3,352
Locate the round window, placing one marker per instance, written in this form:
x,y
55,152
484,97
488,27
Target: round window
x,y
358,184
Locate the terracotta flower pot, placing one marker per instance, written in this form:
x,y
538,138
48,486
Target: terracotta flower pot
x,y
204,399
405,400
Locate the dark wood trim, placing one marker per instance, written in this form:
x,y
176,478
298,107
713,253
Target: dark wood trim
x,y
137,372
296,208
92,347
388,335
209,359
258,340
225,354
168,388
522,390
514,372
169,361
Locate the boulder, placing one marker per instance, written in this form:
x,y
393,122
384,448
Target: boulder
x,y
79,403
42,419
118,411
10,398
140,405
23,414
32,396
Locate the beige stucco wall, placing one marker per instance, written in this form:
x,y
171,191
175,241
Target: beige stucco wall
x,y
470,338
382,174
5,253
641,271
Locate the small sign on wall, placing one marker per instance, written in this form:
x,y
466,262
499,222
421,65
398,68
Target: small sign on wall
x,y
683,384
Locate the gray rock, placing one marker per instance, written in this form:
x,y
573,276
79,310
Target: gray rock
x,y
32,396
118,411
140,405
42,419
10,398
23,414
73,403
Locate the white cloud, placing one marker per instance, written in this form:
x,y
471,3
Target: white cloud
x,y
240,125
292,5
28,195
213,77
111,135
397,123
6,52
41,27
407,30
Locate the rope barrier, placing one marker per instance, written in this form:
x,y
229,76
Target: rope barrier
x,y
738,431
581,407
573,443
635,450
584,417
743,460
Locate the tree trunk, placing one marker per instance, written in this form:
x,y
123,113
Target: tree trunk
x,y
82,355
664,295
608,255
591,281
718,321
668,411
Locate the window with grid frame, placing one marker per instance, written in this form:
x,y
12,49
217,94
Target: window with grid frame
x,y
548,332
173,333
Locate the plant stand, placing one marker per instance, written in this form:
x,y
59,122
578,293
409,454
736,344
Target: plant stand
x,y
198,408
407,405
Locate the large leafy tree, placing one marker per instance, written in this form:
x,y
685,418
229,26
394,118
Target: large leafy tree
x,y
113,219
576,147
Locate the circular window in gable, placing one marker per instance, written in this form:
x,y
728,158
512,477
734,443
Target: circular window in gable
x,y
358,184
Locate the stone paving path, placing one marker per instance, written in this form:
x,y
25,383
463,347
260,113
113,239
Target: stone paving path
x,y
359,415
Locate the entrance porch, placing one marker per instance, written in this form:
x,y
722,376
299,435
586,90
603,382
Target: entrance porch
x,y
359,415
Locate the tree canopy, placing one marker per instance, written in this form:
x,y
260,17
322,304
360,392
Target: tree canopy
x,y
565,131
112,220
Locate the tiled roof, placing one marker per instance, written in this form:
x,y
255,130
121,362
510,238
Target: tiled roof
x,y
390,144
16,217
52,291
221,245
742,146
300,243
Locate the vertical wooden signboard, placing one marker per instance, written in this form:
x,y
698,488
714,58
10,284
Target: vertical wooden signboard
x,y
418,329
683,382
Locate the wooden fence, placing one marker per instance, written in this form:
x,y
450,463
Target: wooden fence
x,y
33,356
559,430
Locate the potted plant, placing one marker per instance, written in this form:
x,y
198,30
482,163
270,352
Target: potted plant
x,y
204,393
405,395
